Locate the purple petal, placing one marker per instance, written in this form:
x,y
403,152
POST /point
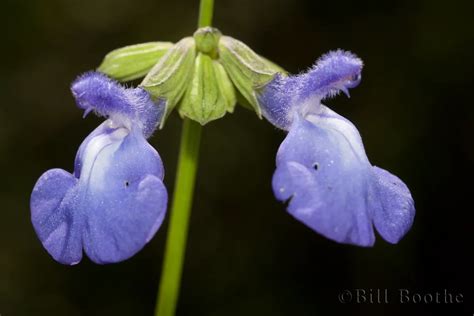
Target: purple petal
x,y
398,213
336,71
55,224
276,100
327,180
324,171
96,91
125,199
114,206
283,97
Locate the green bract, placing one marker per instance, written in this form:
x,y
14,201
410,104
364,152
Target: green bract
x,y
247,70
203,76
168,79
132,62
210,93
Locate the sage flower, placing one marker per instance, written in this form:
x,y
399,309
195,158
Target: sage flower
x,y
115,200
322,168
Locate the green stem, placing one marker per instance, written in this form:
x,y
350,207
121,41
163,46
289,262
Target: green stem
x,y
206,9
178,225
168,291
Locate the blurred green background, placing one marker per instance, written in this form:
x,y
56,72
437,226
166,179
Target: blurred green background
x,y
246,255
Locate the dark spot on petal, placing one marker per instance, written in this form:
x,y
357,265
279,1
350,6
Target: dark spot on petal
x,y
127,183
315,166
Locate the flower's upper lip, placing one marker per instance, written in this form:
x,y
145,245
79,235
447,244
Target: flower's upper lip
x,y
335,72
95,91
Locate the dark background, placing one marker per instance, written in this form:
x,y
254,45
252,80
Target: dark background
x,y
246,255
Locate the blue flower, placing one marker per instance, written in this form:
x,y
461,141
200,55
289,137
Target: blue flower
x,y
115,200
322,168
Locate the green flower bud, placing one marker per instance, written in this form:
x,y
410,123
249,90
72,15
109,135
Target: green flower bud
x,y
210,93
207,41
247,70
169,78
134,61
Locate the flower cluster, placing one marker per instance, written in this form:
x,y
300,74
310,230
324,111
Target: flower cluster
x,y
115,200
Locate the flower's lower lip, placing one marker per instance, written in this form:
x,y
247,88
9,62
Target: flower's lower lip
x,y
346,196
94,210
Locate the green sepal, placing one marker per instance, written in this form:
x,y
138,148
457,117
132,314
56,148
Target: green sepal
x,y
210,93
168,79
225,86
134,61
247,70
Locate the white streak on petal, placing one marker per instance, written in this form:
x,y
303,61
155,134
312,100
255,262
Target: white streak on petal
x,y
98,156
